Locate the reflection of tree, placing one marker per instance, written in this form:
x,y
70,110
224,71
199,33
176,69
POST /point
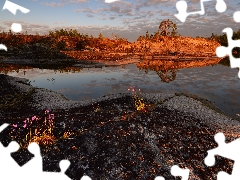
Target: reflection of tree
x,y
9,68
166,70
167,77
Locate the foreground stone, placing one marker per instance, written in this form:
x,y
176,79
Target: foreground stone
x,y
109,139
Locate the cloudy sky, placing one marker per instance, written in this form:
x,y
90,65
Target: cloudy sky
x,y
126,18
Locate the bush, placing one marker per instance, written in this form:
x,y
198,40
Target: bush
x,y
61,45
81,45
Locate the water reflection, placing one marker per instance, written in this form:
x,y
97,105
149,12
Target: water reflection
x,y
167,69
11,68
215,82
167,77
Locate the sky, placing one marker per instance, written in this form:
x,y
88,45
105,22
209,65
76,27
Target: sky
x,y
126,18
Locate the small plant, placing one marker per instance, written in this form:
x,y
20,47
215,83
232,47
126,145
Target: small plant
x,y
138,100
67,134
39,130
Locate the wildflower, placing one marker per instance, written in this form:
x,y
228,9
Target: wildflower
x,y
131,89
47,111
33,118
25,125
51,116
14,125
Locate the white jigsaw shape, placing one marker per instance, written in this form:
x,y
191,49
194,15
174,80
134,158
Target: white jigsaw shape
x,y
16,27
111,1
12,7
7,162
10,170
227,150
3,47
223,51
177,171
236,16
3,126
182,9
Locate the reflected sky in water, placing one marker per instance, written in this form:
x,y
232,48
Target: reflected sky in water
x,y
220,84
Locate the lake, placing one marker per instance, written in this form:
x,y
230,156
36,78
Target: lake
x,y
219,84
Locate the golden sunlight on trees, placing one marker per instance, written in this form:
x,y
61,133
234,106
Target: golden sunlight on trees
x,y
168,28
100,36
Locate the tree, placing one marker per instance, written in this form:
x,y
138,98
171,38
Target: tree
x,y
61,45
147,35
140,38
100,36
81,45
168,28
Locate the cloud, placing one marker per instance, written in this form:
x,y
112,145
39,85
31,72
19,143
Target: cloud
x,y
62,3
154,3
102,18
119,8
112,18
73,1
53,4
133,27
30,28
86,10
137,17
89,15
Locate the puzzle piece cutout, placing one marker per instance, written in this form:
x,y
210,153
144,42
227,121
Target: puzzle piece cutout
x,y
3,47
181,6
3,126
35,165
177,171
111,1
236,16
227,150
31,170
16,27
223,51
12,7
5,154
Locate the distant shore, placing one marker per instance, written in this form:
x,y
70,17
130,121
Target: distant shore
x,y
64,48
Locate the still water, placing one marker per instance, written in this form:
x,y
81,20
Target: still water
x,y
219,84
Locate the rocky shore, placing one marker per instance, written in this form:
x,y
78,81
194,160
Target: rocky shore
x,y
65,49
112,140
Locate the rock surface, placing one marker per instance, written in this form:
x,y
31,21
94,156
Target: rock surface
x,y
109,139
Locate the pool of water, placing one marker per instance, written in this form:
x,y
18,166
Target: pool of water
x,y
218,83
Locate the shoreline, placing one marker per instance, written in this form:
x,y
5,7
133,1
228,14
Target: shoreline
x,y
47,99
110,130
170,62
